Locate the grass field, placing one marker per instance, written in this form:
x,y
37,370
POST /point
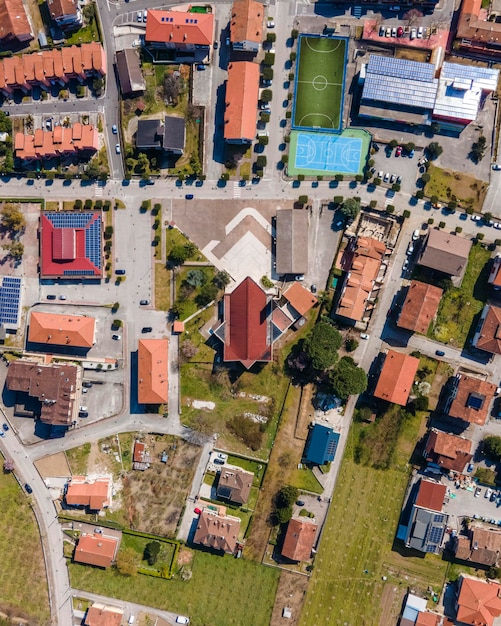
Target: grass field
x,y
356,548
319,82
460,307
223,590
448,185
23,585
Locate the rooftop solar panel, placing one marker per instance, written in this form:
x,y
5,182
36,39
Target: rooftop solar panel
x,y
10,296
401,68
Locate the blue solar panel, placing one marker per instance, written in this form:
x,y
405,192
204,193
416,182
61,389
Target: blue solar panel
x,y
93,242
436,533
69,220
10,296
78,273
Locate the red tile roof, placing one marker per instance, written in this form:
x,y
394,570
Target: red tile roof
x,y
472,401
427,619
96,550
82,491
300,298
396,377
178,27
246,21
489,338
57,142
217,531
62,330
420,307
152,371
449,451
242,93
246,324
101,615
299,540
476,29
14,22
431,495
478,602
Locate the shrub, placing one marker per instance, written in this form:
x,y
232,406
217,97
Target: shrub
x,y
492,447
406,214
390,209
419,194
266,282
247,431
351,344
373,204
459,229
303,199
441,224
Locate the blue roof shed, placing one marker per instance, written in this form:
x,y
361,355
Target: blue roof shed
x,y
321,445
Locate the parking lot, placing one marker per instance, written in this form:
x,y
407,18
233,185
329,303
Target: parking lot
x,y
461,503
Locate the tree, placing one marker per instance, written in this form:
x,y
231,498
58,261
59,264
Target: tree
x,y
269,58
12,218
266,95
322,345
478,149
207,294
15,249
347,379
434,150
127,562
180,253
393,144
188,350
196,278
351,344
492,447
350,208
151,551
8,465
410,146
143,163
172,88
286,496
261,161
221,279
97,85
411,16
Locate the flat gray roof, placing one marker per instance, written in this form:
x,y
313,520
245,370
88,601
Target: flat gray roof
x,y
292,241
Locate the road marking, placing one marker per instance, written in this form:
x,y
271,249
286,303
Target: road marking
x,y
237,190
98,191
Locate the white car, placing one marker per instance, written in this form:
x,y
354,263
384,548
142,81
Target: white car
x,y
405,266
364,336
496,166
380,175
420,32
83,408
270,24
476,218
413,33
117,148
415,234
181,619
139,16
145,15
410,249
488,493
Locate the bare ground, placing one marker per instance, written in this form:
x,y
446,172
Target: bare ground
x,y
389,604
53,465
290,593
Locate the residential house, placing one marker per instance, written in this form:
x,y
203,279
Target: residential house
x,y
245,330
45,392
478,602
15,28
361,261
168,134
480,545
71,245
234,485
495,273
93,493
130,76
152,371
321,444
66,14
446,254
427,524
80,140
246,25
396,377
299,539
292,241
141,458
69,331
475,33
299,300
415,614
96,549
450,452
187,35
470,399
420,307
242,93
101,615
488,334
217,530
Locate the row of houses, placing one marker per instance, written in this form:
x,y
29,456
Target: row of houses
x,y
62,141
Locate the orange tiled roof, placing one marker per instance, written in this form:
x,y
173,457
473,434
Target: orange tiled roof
x,y
219,532
431,495
62,330
462,408
478,602
101,615
246,21
14,21
299,540
449,451
96,550
85,492
396,378
489,338
153,382
178,27
56,142
242,92
300,298
420,307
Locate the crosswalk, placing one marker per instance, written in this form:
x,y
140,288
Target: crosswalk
x,y
237,190
98,191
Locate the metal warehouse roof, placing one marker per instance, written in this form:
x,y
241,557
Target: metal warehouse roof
x,y
482,77
399,81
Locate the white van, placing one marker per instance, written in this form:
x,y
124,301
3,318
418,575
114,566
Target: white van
x,y
181,619
132,619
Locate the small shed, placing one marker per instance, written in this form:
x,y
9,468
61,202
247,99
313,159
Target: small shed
x,y
177,327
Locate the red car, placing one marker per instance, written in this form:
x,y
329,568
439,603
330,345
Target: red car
x,y
198,511
398,151
400,31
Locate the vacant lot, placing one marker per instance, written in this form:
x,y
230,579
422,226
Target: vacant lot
x,y
356,548
162,287
22,575
460,307
222,590
448,185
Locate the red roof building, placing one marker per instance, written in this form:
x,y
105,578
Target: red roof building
x,y
14,24
396,377
478,602
246,26
70,245
301,299
475,32
245,330
449,451
420,307
61,141
299,540
102,615
488,335
242,93
53,329
217,530
152,371
471,399
179,30
83,491
431,495
96,549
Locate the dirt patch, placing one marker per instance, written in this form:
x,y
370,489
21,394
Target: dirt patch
x,y
389,605
185,557
153,499
290,593
306,413
53,465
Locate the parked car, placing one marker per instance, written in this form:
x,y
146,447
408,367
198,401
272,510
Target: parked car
x,y
228,42
5,427
478,491
488,493
398,151
387,177
139,16
410,249
114,129
496,166
380,175
119,272
83,408
405,266
181,619
381,31
364,336
415,234
388,32
144,302
28,488
393,178
313,289
299,277
300,503
439,352
422,161
470,468
116,337
2,434
216,45
400,30
145,15
476,218
411,154
117,148
189,196
200,67
413,33
399,180
83,414
62,297
146,329
51,296
494,495
394,31
87,383
222,457
198,511
420,32
270,24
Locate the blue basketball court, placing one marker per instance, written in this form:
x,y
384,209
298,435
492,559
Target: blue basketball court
x,y
328,153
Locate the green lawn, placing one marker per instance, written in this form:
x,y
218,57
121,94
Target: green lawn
x,y
305,479
174,237
358,537
162,287
223,590
189,306
460,308
138,544
77,458
448,185
320,79
23,585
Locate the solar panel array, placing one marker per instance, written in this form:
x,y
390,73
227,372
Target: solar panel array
x,y
93,243
69,220
79,273
485,77
92,225
435,536
10,296
401,68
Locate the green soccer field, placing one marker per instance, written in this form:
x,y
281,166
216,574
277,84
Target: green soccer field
x,y
319,85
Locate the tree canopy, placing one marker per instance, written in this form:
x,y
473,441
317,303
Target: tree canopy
x,y
12,218
322,345
151,551
350,208
434,150
347,379
492,447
